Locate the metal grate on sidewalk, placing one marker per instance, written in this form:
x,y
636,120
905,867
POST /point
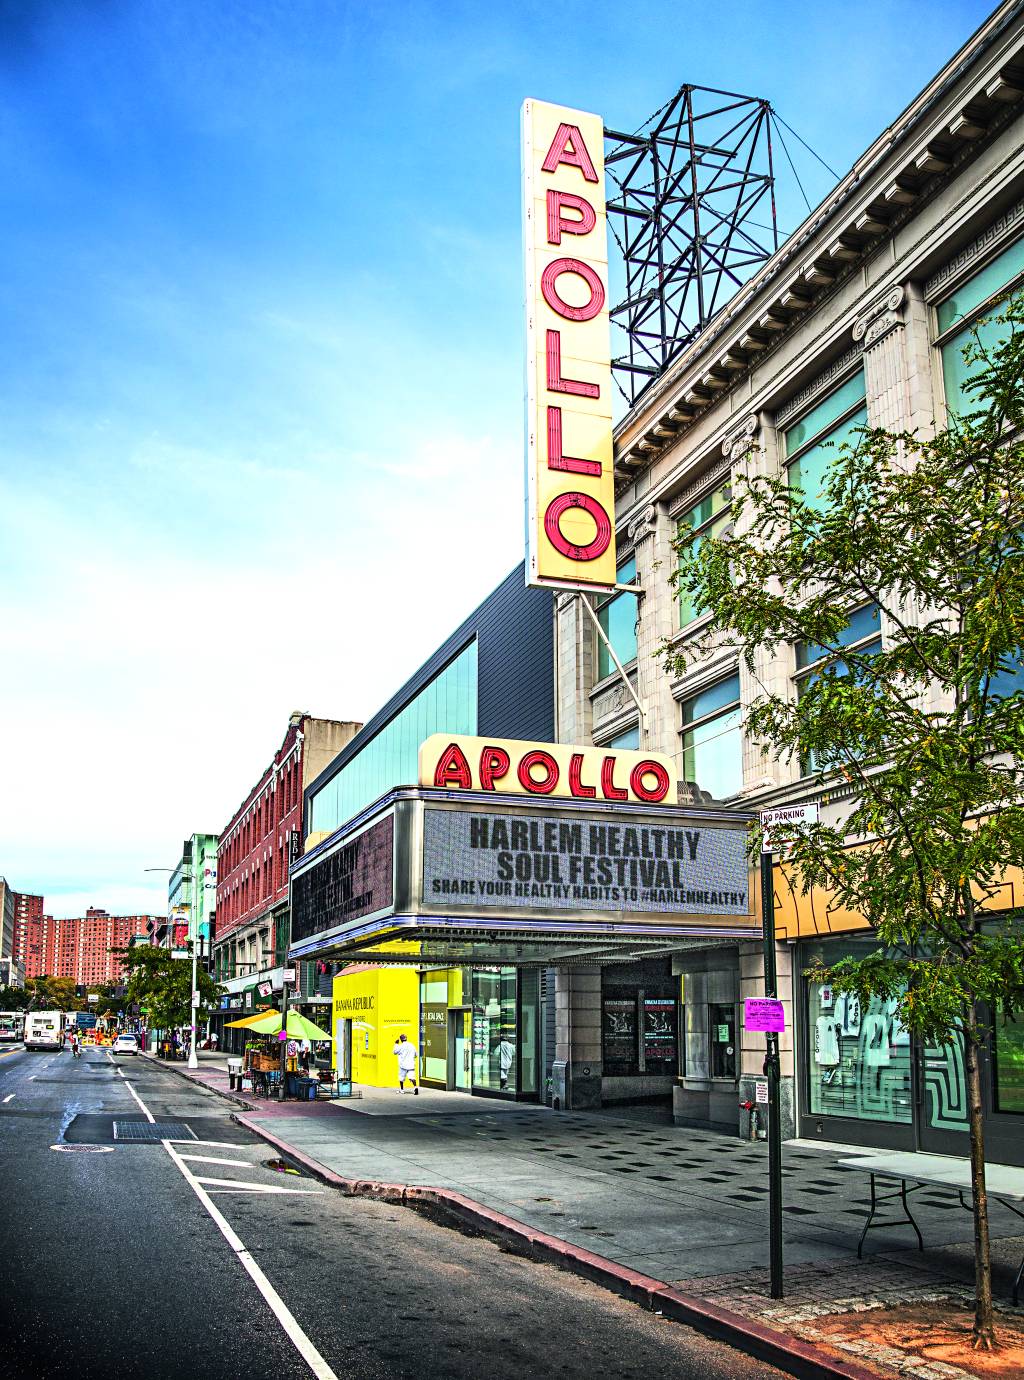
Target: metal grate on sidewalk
x,y
152,1131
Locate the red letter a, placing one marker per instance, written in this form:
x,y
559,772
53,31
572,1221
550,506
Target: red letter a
x,y
568,147
452,769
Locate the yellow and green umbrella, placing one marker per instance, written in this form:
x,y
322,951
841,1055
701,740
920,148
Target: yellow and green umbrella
x,y
269,1023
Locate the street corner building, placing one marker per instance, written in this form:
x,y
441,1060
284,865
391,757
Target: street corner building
x,y
858,319
533,891
578,940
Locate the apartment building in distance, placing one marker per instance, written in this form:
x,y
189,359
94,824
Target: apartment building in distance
x,y
78,947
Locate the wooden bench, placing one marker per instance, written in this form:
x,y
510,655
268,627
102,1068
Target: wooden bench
x,y
912,1171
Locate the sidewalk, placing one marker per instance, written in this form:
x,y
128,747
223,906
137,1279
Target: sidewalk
x,y
693,1215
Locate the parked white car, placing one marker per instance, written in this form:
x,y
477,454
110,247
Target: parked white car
x,y
125,1044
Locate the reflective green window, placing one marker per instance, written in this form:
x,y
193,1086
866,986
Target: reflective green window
x,y
708,518
812,442
617,617
863,631
966,305
1009,1061
447,704
712,739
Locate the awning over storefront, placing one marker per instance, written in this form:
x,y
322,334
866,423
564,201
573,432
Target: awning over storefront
x,y
426,876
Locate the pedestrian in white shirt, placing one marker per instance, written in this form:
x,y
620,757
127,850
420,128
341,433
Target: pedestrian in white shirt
x,y
407,1056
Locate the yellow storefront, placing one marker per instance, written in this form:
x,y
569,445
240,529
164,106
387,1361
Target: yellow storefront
x,y
371,1007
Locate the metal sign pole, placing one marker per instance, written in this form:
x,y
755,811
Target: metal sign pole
x,y
773,1073
284,1043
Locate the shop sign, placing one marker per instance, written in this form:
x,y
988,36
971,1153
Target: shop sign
x,y
560,771
355,880
570,483
265,989
477,859
765,1014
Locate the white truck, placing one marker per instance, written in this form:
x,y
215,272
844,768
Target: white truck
x,y
44,1030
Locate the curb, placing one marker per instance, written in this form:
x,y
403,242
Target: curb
x,y
795,1357
184,1073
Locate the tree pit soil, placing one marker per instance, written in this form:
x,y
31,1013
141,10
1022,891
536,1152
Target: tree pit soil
x,y
926,1333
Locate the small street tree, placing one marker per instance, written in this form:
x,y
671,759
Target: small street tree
x,y
928,731
155,979
54,993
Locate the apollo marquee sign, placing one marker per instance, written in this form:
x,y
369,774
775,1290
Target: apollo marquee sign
x,y
561,771
570,484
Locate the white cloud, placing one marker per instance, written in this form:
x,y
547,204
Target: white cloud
x,y
156,676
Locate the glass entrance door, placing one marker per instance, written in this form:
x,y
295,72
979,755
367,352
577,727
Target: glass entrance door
x,y
343,1048
942,1098
460,1045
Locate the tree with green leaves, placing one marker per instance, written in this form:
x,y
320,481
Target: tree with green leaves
x,y
14,998
161,983
928,731
54,994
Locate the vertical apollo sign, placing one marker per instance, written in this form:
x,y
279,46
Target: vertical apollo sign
x,y
570,484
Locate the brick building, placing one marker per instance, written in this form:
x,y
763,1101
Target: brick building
x,y
28,911
77,947
252,928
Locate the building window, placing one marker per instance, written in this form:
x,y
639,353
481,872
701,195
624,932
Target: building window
x,y
858,1060
968,310
1009,1062
862,634
446,704
617,614
811,443
629,738
712,739
708,518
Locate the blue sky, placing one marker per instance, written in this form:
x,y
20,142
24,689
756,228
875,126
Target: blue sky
x,y
261,390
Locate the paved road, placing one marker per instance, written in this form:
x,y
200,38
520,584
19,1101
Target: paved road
x,y
186,1255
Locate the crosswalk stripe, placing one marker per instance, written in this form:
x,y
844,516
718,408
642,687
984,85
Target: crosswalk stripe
x,y
213,1159
251,1188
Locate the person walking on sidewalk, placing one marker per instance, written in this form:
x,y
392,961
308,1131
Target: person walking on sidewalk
x,y
407,1056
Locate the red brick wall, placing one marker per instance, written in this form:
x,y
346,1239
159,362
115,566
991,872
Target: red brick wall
x,y
252,857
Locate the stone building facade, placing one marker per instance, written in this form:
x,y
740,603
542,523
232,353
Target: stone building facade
x,y
854,320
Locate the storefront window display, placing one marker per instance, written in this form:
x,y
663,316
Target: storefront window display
x,y
860,1059
659,1034
1009,1062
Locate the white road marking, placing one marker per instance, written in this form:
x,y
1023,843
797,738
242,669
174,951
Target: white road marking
x,y
212,1159
149,1115
294,1332
217,1144
8,1097
251,1188
31,1078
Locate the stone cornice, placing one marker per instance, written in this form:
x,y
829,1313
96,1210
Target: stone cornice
x,y
1001,228
975,96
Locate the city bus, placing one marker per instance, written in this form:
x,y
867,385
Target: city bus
x,y
12,1026
44,1030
